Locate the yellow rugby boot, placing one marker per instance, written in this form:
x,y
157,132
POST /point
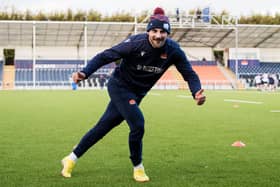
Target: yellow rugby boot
x,y
139,175
68,166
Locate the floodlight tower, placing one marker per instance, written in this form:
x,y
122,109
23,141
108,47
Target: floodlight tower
x,y
236,48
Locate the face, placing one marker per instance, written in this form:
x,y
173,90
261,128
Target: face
x,y
157,37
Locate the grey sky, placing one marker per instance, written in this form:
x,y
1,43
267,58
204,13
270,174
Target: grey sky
x,y
235,7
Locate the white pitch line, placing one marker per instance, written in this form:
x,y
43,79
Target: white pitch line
x,y
275,111
156,94
184,96
243,101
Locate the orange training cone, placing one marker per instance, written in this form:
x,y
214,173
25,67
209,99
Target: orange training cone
x,y
238,144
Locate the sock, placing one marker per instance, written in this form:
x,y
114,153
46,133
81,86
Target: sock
x,y
139,166
73,157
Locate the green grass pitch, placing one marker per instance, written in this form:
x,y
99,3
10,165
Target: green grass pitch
x,y
184,144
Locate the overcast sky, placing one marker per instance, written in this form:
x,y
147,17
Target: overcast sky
x,y
234,7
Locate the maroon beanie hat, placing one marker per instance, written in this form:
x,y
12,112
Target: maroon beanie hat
x,y
159,20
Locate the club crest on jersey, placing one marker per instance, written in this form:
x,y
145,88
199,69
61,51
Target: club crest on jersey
x,y
143,53
132,102
163,56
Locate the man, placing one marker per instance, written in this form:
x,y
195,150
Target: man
x,y
145,57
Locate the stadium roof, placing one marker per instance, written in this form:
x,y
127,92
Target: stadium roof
x,y
106,34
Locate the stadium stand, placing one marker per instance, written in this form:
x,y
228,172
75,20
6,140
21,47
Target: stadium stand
x,y
169,80
57,73
203,63
209,73
201,37
8,77
211,77
247,67
168,75
1,73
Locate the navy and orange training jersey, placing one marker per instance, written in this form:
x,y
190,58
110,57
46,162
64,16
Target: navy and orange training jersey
x,y
142,65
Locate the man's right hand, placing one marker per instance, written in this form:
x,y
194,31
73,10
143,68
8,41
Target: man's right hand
x,y
78,76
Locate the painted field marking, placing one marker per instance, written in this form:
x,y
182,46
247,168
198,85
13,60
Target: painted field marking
x,y
156,94
275,111
184,96
243,101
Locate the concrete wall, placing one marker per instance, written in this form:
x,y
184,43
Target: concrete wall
x,y
244,53
198,53
265,55
53,52
269,55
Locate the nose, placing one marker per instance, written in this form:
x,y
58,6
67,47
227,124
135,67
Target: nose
x,y
158,35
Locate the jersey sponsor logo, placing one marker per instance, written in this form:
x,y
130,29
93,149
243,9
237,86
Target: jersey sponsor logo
x,y
132,102
151,69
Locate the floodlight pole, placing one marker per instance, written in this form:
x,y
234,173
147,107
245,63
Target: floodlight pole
x,y
85,43
135,23
236,48
34,54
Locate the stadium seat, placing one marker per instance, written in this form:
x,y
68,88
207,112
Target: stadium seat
x,y
256,68
1,72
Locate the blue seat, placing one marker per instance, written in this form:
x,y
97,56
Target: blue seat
x,y
1,72
257,68
59,74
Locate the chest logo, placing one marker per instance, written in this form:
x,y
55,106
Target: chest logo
x,y
151,69
163,56
143,53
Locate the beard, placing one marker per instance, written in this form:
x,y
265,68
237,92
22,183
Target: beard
x,y
157,42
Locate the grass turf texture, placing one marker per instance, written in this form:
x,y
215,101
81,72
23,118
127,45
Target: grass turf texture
x,y
184,145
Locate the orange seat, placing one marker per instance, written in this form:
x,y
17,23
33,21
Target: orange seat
x,y
168,75
209,73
